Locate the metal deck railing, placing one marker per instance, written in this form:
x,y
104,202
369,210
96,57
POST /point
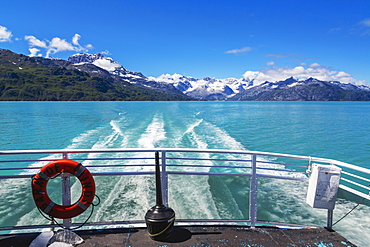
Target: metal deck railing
x,y
179,161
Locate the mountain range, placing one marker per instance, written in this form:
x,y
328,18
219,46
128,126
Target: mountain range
x,y
97,77
24,78
234,89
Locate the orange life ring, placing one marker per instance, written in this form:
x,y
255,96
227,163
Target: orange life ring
x,y
40,195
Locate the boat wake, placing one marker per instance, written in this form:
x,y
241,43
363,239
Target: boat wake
x,y
192,197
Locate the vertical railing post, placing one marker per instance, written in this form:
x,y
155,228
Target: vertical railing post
x,y
329,224
164,179
66,193
253,191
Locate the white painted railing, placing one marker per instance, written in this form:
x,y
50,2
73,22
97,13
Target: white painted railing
x,y
183,162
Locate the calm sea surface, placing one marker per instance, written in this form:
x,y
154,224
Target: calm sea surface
x,y
336,130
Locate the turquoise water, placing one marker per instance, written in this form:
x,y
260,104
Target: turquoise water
x,y
336,130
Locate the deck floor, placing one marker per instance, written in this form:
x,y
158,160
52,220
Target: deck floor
x,y
199,236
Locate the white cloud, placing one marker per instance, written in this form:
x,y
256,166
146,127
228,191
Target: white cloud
x,y
5,34
75,39
56,45
270,63
282,55
313,65
314,70
335,30
238,51
34,52
106,52
365,26
365,22
33,41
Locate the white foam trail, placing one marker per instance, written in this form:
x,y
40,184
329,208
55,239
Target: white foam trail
x,y
127,198
222,138
191,197
115,127
131,193
193,190
111,140
195,141
193,126
86,138
154,133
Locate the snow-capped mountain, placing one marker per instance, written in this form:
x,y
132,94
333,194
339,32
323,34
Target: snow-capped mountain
x,y
205,88
245,89
106,63
309,89
230,88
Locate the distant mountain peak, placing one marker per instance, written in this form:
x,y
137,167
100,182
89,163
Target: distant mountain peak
x,y
99,60
87,56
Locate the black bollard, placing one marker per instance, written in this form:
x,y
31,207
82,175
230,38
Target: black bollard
x,y
159,219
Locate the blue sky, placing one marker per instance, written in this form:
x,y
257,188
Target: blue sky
x,y
266,40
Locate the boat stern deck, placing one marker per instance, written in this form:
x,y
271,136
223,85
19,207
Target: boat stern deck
x,y
199,236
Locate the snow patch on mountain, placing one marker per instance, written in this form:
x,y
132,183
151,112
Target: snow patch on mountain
x,y
106,64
